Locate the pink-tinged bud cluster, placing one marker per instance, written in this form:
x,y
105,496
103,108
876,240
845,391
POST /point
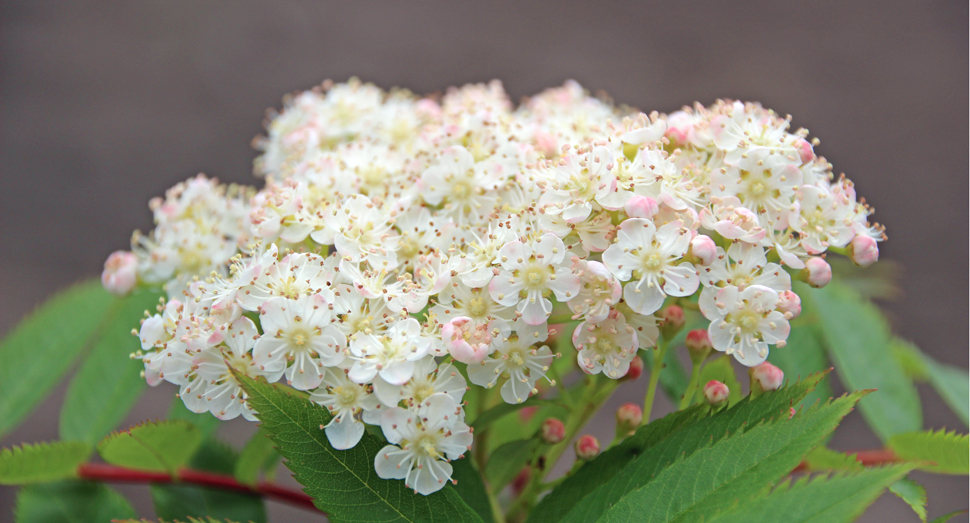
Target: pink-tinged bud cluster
x,y
716,393
704,249
698,343
789,304
673,320
587,447
641,207
863,250
628,418
552,431
768,376
119,275
466,341
817,273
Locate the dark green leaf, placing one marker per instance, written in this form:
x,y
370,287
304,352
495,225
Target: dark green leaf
x,y
255,456
837,499
941,451
42,462
721,369
71,502
108,383
471,488
162,447
38,352
505,462
913,494
803,355
858,338
343,483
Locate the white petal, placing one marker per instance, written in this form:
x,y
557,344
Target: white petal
x,y
346,433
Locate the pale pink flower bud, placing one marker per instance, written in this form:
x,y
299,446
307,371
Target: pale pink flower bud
x,y
805,151
636,370
466,342
817,272
552,431
119,275
698,342
704,249
628,418
768,376
863,250
673,320
587,447
791,412
716,393
641,207
789,302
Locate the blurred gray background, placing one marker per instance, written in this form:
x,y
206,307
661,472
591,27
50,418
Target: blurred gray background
x,y
104,105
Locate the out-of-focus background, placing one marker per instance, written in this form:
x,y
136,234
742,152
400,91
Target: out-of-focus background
x,y
104,105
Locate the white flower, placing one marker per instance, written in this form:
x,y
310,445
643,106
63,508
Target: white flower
x,y
530,272
119,275
514,359
298,332
392,355
224,397
745,322
423,441
822,219
606,346
459,299
362,231
744,264
428,379
598,292
763,182
351,405
465,188
650,256
576,182
294,276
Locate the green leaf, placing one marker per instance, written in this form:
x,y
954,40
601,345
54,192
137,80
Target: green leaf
x,y
821,458
946,517
42,462
941,451
910,359
343,483
858,338
953,385
71,502
190,520
108,383
258,453
879,281
40,349
179,501
820,499
735,469
677,434
160,447
505,462
504,409
913,494
804,355
205,422
471,488
720,369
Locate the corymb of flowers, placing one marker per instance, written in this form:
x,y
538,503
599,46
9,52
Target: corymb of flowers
x,y
405,250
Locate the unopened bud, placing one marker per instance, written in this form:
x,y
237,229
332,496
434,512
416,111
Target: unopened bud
x,y
552,431
636,369
587,447
791,412
788,301
628,418
863,250
768,376
704,249
805,151
817,273
641,207
716,393
673,320
119,272
698,344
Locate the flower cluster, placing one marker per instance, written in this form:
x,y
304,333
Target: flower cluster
x,y
405,246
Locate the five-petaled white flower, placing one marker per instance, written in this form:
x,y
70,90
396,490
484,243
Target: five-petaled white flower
x,y
530,273
745,322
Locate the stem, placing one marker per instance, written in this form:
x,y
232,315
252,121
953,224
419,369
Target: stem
x,y
658,364
113,474
695,374
481,436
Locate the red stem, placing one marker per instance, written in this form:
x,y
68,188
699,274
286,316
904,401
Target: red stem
x,y
867,458
113,474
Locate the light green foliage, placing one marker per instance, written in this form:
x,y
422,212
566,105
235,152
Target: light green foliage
x,y
910,359
681,487
821,499
258,454
913,494
721,369
857,337
952,383
878,281
504,409
188,520
505,462
108,383
803,355
823,459
661,442
38,352
42,462
947,517
471,488
343,483
71,502
941,451
161,447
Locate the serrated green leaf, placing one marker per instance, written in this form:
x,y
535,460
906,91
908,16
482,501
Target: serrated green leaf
x,y
71,502
720,369
677,434
821,458
913,494
160,447
258,452
42,462
735,469
804,355
836,499
180,501
941,451
471,488
505,462
947,517
343,483
108,383
857,336
41,348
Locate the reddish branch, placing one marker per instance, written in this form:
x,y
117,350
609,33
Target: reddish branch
x,y
867,458
113,474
